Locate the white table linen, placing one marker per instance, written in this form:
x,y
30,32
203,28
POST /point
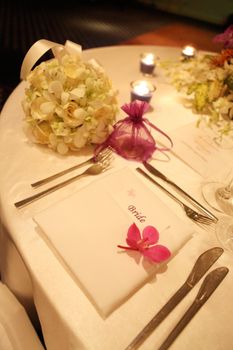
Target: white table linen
x,y
16,330
69,320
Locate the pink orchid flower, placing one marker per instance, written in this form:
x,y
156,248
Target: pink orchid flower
x,y
226,37
145,243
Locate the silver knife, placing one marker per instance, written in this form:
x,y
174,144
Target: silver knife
x,y
157,173
201,266
210,283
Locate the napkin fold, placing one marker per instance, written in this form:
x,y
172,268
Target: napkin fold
x,y
85,229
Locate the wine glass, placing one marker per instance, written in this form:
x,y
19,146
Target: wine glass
x,y
219,195
224,232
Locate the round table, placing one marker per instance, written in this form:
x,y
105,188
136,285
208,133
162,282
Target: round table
x,y
39,280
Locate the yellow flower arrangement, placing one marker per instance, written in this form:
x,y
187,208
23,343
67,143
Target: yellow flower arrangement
x,y
69,104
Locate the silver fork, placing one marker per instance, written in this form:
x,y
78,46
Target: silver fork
x,y
101,156
192,214
94,169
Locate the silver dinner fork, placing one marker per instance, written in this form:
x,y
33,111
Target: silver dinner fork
x,y
94,169
100,157
192,214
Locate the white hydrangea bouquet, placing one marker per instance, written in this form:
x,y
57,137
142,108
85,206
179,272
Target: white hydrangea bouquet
x,y
207,82
68,103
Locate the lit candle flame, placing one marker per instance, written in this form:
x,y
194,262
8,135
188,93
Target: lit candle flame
x,y
141,88
188,51
148,59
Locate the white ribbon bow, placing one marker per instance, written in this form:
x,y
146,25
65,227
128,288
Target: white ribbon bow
x,y
40,47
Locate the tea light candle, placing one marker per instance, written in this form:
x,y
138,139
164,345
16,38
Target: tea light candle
x,y
188,51
142,90
147,63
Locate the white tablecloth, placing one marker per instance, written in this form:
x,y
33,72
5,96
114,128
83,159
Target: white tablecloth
x,y
16,331
33,272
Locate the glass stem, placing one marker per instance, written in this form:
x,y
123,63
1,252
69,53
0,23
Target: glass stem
x,y
228,187
225,192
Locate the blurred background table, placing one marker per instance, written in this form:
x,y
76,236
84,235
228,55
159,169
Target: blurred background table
x,y
97,23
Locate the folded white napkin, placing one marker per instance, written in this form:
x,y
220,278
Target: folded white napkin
x,y
85,229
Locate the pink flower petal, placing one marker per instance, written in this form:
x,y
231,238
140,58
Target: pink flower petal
x,y
157,253
133,236
151,234
226,37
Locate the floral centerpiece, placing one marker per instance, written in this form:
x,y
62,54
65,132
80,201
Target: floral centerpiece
x,y
69,104
207,81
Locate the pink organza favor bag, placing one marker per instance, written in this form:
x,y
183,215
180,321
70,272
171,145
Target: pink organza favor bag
x,y
131,138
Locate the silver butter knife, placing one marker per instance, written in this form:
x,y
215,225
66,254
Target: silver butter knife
x,y
201,266
210,283
157,173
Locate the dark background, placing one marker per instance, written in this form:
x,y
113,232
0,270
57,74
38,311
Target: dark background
x,y
92,24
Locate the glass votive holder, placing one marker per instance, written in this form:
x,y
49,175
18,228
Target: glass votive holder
x,y
188,52
142,90
147,63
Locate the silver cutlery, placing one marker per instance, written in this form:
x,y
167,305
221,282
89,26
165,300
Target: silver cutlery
x,y
192,214
201,266
198,205
101,156
210,283
94,169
